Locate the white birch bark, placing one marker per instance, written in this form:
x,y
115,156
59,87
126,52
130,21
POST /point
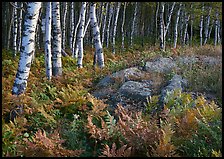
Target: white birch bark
x,y
201,25
133,24
104,22
80,34
48,41
74,42
71,25
210,30
15,27
27,49
108,25
64,25
176,25
169,18
162,27
187,17
20,26
96,36
192,22
56,51
207,25
115,27
156,21
216,29
122,26
218,33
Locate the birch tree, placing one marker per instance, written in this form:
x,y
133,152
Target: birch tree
x,y
71,24
104,21
122,26
80,34
201,25
216,28
27,49
20,26
115,27
133,24
156,21
48,41
207,24
162,26
96,35
56,30
187,17
64,25
15,27
108,24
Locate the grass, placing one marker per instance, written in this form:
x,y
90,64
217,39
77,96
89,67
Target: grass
x,y
54,105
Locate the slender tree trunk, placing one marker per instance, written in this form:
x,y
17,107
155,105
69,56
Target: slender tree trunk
x,y
201,25
71,24
210,30
64,25
162,27
176,25
218,33
104,22
56,51
15,27
108,25
207,25
101,14
122,26
115,27
156,22
27,48
186,25
74,42
19,26
216,28
133,24
192,22
9,32
80,34
48,41
169,18
96,36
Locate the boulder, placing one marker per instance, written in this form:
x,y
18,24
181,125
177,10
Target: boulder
x,y
135,90
122,76
161,65
177,82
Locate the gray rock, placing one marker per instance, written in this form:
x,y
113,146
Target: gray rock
x,y
177,82
121,76
162,65
135,90
209,60
186,60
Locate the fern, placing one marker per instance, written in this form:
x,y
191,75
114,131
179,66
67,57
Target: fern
x,y
114,152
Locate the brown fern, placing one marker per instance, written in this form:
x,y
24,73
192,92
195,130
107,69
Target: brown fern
x,y
112,152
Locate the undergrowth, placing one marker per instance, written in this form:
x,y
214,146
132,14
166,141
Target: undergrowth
x,y
60,118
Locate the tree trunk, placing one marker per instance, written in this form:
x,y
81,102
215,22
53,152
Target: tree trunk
x,y
162,27
201,25
207,25
104,22
64,25
108,25
210,30
122,26
156,22
176,25
48,41
56,51
74,42
169,19
71,24
133,24
19,26
15,26
27,48
185,29
115,27
96,36
80,34
216,28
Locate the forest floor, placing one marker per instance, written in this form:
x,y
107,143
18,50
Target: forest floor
x,y
61,118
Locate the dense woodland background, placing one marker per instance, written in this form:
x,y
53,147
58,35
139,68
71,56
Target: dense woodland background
x,y
55,53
